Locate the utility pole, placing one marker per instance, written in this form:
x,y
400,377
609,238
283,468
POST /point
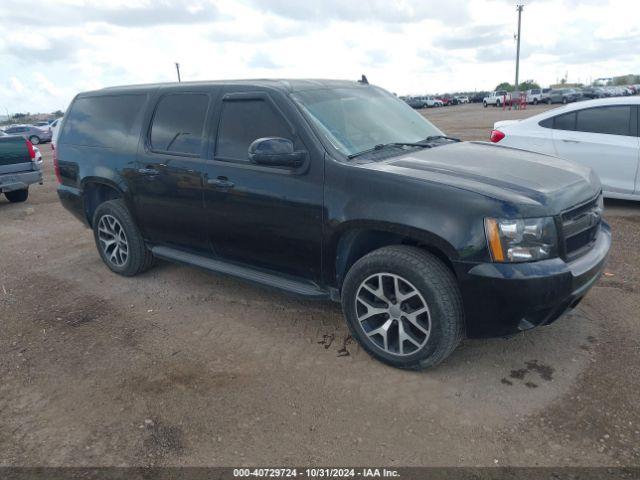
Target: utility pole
x,y
519,6
178,70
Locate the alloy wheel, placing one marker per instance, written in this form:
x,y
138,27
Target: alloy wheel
x,y
393,314
113,240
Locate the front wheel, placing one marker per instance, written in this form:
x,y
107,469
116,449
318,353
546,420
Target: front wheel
x,y
17,196
118,239
535,101
564,100
34,139
485,104
403,306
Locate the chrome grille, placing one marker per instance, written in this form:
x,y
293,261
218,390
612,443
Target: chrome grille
x,y
579,228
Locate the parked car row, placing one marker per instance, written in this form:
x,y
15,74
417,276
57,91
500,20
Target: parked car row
x,y
568,95
558,95
429,101
36,134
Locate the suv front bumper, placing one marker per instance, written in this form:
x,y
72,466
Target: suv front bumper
x,y
506,298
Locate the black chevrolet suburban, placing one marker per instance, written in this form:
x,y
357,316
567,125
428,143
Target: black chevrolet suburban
x,y
337,190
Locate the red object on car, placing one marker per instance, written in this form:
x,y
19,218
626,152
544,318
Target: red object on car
x,y
32,152
56,166
496,136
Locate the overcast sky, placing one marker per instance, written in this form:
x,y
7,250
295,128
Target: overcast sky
x,y
52,49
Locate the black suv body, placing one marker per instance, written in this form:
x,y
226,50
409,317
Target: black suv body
x,y
335,189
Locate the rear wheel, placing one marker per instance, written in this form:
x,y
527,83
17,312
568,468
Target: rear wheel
x,y
17,196
118,239
34,139
403,306
497,103
549,102
564,100
535,101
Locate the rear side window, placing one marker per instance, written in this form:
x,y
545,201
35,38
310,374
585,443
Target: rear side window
x,y
560,122
105,121
178,123
565,122
614,120
546,123
244,121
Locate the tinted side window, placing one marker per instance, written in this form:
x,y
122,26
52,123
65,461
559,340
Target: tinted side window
x,y
178,123
102,121
244,121
546,123
613,120
565,122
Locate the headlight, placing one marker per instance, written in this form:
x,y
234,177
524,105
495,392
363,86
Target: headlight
x,y
521,240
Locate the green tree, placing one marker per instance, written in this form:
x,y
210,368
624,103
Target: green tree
x,y
505,86
626,80
528,85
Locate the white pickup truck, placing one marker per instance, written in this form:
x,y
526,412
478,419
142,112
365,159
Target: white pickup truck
x,y
497,98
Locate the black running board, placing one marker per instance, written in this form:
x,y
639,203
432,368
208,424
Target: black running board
x,y
306,289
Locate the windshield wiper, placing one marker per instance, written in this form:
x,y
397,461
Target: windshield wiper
x,y
438,137
382,146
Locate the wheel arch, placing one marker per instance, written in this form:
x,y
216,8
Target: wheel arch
x,y
96,191
357,240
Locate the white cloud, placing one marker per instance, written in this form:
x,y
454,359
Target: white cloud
x,y
43,83
16,85
406,46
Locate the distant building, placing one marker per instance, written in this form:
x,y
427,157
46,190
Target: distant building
x,y
566,85
599,82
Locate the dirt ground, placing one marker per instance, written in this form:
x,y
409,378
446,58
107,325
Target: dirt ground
x,y
180,367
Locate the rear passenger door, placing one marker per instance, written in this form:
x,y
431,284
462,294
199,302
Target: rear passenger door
x,y
261,216
603,138
169,170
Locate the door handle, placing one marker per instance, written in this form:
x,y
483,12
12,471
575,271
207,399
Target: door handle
x,y
220,182
567,140
148,171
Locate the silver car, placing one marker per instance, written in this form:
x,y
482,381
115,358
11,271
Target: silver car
x,y
32,133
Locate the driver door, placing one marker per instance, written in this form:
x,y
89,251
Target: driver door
x,y
261,216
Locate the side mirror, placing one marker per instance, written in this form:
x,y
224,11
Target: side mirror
x,y
275,152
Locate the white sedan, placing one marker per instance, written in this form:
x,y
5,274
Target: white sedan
x,y
601,134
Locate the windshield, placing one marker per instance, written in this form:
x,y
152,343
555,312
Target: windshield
x,y
355,119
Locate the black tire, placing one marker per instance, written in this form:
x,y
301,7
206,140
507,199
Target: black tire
x,y
139,257
34,139
17,196
498,103
485,104
564,100
437,285
549,102
535,101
